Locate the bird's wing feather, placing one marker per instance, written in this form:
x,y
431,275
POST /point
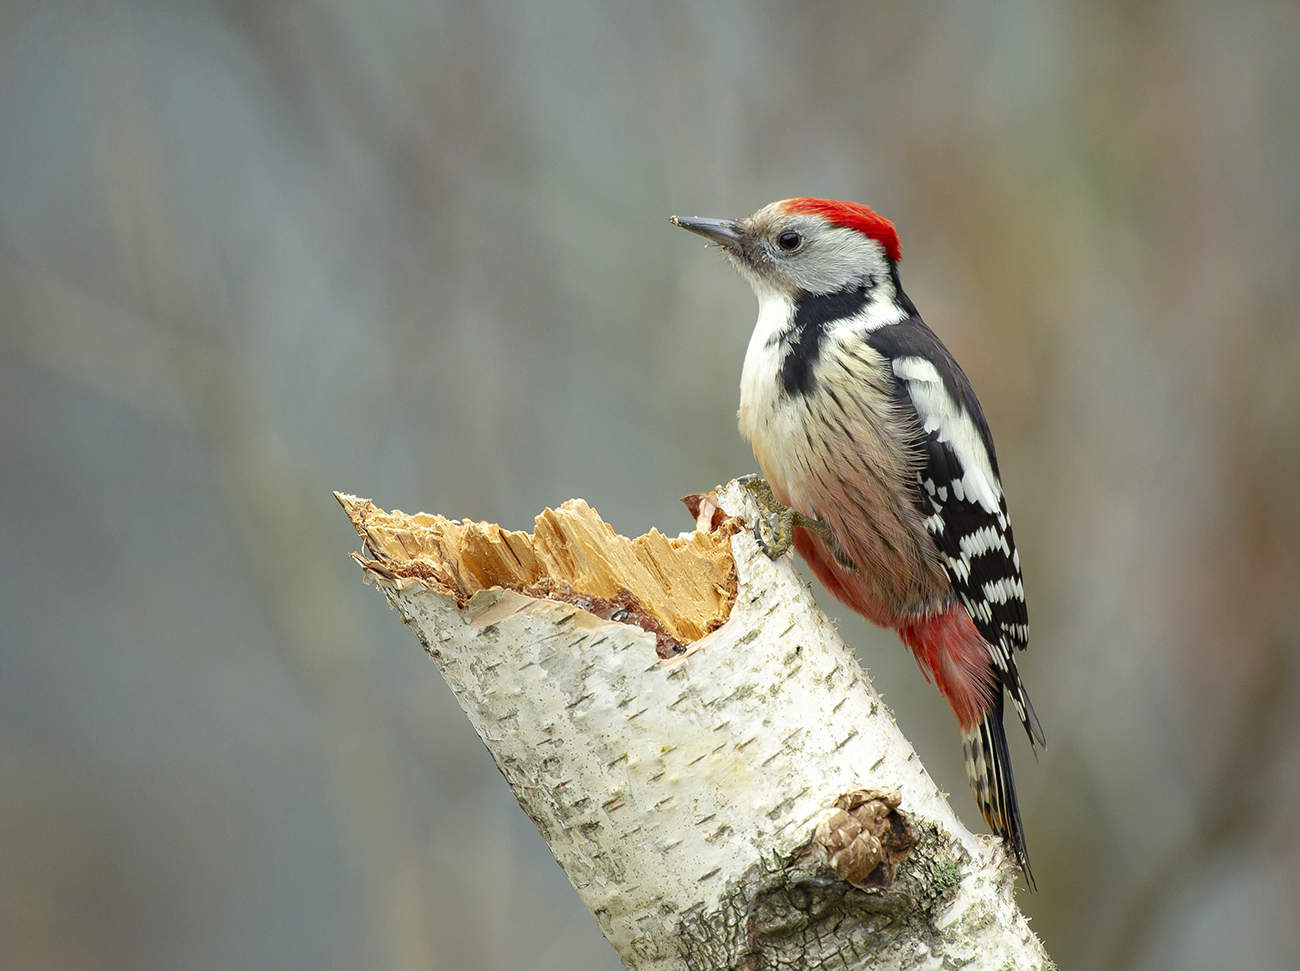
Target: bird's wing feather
x,y
960,495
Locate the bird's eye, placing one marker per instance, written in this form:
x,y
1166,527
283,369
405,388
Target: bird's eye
x,y
789,240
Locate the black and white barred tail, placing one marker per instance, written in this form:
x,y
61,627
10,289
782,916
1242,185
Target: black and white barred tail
x,y
988,768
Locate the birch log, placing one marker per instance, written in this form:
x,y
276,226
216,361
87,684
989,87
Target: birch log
x,y
700,750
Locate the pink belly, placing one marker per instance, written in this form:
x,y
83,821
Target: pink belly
x,y
947,646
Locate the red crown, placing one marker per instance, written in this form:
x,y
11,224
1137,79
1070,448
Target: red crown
x,y
852,215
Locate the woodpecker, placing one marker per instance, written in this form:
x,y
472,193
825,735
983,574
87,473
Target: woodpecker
x,y
874,446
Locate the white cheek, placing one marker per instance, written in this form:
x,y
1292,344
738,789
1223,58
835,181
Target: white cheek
x,y
836,258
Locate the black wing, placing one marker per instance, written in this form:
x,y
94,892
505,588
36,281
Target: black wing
x,y
960,495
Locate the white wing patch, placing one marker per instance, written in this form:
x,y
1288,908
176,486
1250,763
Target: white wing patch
x,y
954,427
982,541
1003,590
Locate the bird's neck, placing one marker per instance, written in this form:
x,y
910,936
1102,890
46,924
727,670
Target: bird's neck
x,y
805,347
785,348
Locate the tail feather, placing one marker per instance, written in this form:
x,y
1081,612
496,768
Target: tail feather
x,y
988,767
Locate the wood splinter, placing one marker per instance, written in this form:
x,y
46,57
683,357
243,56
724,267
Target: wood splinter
x,y
677,589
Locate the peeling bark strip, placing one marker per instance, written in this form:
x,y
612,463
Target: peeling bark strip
x,y
719,807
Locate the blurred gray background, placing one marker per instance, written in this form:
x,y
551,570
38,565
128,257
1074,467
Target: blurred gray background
x,y
253,252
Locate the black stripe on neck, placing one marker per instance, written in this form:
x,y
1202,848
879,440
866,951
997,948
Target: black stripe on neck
x,y
901,298
813,312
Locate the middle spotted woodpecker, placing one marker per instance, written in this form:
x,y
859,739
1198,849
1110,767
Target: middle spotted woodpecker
x,y
870,434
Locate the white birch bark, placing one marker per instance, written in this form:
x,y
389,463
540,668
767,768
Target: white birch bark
x,y
682,797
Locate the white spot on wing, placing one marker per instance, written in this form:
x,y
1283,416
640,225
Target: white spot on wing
x,y
1003,590
981,541
940,414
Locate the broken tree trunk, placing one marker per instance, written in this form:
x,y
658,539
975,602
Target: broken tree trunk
x,y
702,753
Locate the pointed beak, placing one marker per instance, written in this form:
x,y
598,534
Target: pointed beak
x,y
724,232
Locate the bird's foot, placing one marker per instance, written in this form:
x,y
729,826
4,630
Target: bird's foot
x,y
775,523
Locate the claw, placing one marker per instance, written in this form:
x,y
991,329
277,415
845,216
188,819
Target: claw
x,y
759,490
779,525
775,523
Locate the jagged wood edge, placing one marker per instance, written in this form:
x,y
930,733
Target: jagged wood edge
x,y
951,901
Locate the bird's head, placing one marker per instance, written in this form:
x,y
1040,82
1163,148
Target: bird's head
x,y
805,246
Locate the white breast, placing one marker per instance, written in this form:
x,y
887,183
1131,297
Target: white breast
x,y
798,438
840,453
770,420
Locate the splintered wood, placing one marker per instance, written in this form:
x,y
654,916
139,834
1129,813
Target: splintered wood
x,y
677,589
